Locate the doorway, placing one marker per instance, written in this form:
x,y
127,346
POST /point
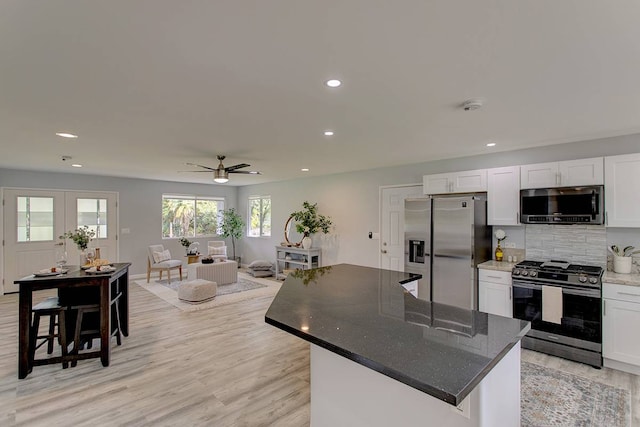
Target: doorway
x,y
33,220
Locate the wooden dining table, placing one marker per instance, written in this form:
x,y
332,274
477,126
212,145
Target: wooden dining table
x,y
76,281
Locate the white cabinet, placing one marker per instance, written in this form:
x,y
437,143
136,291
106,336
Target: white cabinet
x,y
620,326
456,182
503,196
562,174
622,181
494,292
289,258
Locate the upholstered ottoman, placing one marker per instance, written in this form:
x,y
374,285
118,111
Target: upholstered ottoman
x,y
222,273
197,291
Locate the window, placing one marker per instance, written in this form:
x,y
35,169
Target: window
x,y
93,214
259,216
35,219
190,216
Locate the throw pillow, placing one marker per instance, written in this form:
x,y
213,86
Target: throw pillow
x,y
217,250
162,256
260,265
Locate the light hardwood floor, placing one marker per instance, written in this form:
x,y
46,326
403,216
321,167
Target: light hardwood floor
x,y
218,367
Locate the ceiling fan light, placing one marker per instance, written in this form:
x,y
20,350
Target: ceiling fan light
x,y
220,176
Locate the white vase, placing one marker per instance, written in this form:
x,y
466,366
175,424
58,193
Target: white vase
x,y
306,242
622,264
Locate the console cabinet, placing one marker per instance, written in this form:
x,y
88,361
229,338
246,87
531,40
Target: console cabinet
x,y
494,292
620,325
563,174
292,258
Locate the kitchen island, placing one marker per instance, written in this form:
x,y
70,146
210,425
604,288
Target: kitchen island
x,y
380,356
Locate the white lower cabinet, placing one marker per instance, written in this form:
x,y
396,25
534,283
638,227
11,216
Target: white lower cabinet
x,y
494,292
620,326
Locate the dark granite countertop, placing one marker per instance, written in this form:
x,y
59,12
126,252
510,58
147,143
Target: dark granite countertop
x,y
365,315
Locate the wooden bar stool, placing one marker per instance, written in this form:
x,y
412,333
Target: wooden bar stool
x,y
83,333
50,307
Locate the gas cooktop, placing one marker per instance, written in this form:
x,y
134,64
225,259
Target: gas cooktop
x,y
562,266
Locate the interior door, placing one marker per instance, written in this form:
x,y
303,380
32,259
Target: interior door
x,y
392,225
33,220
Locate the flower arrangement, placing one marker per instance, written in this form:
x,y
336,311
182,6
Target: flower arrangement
x,y
308,221
80,236
185,242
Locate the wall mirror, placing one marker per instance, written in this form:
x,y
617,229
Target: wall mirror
x,y
291,235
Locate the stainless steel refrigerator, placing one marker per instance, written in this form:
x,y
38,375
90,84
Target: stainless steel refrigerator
x,y
446,237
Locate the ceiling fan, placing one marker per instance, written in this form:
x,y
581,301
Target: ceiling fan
x,y
221,173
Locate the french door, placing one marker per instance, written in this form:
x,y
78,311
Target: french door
x,y
33,220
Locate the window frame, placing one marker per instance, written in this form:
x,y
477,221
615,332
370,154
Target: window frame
x,y
192,198
261,234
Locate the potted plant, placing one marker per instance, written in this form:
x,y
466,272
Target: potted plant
x,y
622,258
81,237
231,225
309,222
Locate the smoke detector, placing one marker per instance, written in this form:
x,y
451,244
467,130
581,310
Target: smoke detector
x,y
472,104
65,158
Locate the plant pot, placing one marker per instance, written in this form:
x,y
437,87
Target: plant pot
x,y
306,242
622,264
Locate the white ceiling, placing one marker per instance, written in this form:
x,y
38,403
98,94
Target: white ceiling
x,y
149,85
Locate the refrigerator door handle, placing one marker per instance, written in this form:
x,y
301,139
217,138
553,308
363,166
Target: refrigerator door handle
x,y
451,256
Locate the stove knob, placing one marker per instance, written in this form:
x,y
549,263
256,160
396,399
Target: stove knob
x,y
525,273
516,272
593,280
582,279
533,274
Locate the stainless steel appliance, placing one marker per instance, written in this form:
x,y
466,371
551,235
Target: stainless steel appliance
x,y
461,240
446,237
417,243
575,331
575,205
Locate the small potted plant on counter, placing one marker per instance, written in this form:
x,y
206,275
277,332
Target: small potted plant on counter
x,y
622,258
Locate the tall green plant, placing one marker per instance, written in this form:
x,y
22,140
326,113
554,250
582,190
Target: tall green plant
x,y
231,225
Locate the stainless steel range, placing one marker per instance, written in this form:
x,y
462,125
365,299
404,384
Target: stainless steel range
x,y
563,303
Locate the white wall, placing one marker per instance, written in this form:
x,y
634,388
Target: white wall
x,y
351,199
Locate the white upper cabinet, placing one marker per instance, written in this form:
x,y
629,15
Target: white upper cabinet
x,y
503,196
562,174
456,182
622,199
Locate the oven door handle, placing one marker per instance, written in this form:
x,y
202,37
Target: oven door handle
x,y
565,290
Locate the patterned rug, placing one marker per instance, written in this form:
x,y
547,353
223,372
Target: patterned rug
x,y
553,398
245,288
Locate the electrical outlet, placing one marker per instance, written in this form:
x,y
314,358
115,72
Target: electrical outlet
x,y
510,245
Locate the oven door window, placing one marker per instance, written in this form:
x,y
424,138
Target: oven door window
x,y
581,315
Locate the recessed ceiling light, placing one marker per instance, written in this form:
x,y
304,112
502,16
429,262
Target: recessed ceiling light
x,y
491,144
66,135
76,165
333,83
328,133
305,169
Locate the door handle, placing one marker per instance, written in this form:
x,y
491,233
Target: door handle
x,y
383,251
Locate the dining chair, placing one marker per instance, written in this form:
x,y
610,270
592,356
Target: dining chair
x,y
159,258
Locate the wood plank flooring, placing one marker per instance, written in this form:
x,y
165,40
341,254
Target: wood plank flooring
x,y
217,367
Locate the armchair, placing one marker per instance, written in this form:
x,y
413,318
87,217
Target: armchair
x,y
160,259
217,249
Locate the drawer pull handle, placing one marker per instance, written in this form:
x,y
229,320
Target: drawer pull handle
x,y
629,293
495,277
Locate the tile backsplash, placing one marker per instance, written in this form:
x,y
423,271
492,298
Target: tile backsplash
x,y
579,244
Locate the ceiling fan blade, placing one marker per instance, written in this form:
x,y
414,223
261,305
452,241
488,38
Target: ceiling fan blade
x,y
201,166
238,166
196,171
246,172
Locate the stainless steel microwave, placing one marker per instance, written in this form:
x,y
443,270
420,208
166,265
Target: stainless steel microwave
x,y
567,205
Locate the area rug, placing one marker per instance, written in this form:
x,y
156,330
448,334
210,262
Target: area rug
x,y
245,288
553,398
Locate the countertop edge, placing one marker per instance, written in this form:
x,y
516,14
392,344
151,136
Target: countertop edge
x,y
497,265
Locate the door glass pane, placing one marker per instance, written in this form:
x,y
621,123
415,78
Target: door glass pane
x,y
35,219
93,214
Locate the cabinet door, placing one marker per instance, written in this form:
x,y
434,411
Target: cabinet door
x,y
503,196
495,298
622,180
620,325
437,184
581,172
541,175
469,181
